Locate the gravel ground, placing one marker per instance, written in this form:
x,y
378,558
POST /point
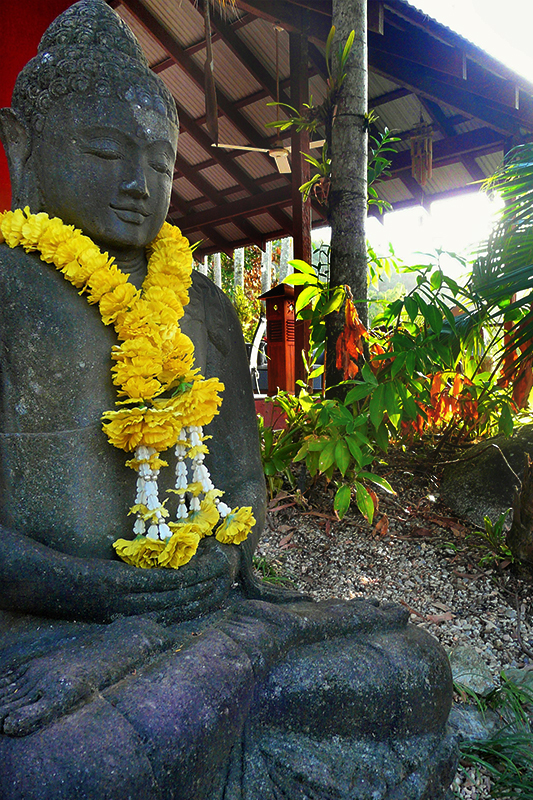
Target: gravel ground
x,y
416,553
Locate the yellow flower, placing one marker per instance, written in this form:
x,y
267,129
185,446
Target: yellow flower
x,y
55,233
103,280
181,546
124,428
141,552
161,429
12,224
154,461
112,303
135,357
166,281
208,516
32,229
236,526
139,388
166,296
200,404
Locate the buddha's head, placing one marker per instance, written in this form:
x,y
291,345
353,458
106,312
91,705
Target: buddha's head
x,y
91,136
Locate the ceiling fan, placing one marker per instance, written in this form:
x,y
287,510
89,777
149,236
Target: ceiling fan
x,y
279,153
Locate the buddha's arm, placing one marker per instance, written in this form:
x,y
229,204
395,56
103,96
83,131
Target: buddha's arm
x,y
235,459
38,580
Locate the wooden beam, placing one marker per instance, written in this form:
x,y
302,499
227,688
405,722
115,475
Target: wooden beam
x,y
376,16
208,190
290,16
301,211
469,188
418,47
438,118
445,151
195,73
247,58
413,186
388,97
251,206
177,202
453,92
470,163
210,249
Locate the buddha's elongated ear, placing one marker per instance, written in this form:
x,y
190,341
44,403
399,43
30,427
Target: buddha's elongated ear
x,y
16,139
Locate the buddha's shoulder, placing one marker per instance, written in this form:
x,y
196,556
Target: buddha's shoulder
x,y
215,309
16,263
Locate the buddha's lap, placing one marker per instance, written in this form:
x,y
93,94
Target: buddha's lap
x,y
313,676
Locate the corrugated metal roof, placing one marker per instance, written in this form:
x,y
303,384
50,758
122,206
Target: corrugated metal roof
x,y
260,38
151,47
450,115
180,18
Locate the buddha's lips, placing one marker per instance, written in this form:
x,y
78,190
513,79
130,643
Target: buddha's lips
x,y
134,216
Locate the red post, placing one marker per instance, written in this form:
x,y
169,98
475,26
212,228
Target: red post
x,y
279,303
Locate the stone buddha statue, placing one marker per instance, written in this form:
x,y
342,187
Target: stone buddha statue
x,y
196,683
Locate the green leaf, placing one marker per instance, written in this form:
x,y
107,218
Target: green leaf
x,y
305,296
327,457
341,504
355,450
398,363
364,501
436,280
382,437
329,42
377,479
434,318
334,302
391,398
302,452
342,456
303,266
298,279
505,423
411,306
316,372
358,392
410,362
368,375
347,47
377,406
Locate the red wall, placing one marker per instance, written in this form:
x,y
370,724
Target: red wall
x,y
22,23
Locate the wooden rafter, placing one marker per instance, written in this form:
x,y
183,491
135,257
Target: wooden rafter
x,y
195,73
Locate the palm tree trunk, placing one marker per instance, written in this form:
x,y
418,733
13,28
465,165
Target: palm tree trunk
x,y
348,192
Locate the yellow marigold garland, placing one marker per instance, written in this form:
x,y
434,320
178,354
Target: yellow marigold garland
x,y
154,357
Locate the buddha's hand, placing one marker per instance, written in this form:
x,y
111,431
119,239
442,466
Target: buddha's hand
x,y
193,589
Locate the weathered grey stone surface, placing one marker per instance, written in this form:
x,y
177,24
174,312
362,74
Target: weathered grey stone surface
x,y
195,684
481,484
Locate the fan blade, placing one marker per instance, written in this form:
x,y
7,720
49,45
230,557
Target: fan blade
x,y
318,143
241,147
281,159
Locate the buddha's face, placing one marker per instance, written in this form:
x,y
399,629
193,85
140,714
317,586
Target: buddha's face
x,y
106,166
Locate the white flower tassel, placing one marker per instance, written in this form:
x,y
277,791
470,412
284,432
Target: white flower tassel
x,y
223,509
148,496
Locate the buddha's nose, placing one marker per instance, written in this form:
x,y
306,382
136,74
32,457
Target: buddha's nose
x,y
136,186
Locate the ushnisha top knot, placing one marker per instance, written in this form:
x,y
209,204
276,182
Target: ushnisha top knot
x,y
88,50
91,24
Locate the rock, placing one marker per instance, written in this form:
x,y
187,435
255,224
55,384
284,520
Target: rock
x,y
469,669
470,724
522,677
482,483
